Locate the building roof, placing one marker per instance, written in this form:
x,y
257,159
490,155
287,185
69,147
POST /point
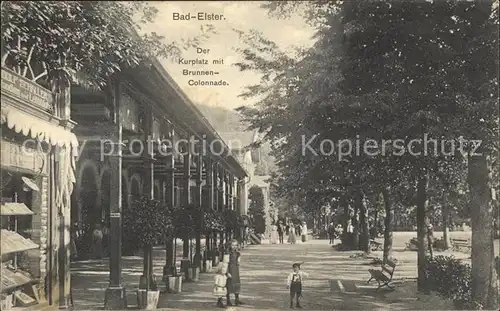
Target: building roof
x,y
191,116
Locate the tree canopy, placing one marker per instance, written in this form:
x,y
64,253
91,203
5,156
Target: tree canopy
x,y
81,42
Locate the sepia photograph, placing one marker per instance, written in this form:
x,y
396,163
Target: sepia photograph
x,y
250,155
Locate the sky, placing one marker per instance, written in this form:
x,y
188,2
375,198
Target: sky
x,y
242,15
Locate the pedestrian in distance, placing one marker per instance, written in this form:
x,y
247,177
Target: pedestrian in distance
x,y
294,282
339,230
274,233
96,248
292,239
303,232
280,232
298,229
331,232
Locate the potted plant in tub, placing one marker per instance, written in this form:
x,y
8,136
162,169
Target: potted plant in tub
x,y
149,221
173,281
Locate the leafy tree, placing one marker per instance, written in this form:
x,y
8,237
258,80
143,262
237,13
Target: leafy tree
x,y
148,222
59,43
256,209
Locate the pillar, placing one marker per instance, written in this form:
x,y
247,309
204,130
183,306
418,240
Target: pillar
x,y
64,217
115,296
149,184
186,196
169,268
210,197
199,179
222,203
215,204
230,185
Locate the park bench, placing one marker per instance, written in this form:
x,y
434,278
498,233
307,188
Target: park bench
x,y
384,275
375,246
459,244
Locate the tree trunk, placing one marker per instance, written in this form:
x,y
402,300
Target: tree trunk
x,y
389,216
355,224
146,280
343,202
147,267
484,279
446,225
170,260
421,227
197,255
221,245
214,247
364,242
185,246
484,286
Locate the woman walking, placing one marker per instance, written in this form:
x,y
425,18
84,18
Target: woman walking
x,y
304,232
291,237
274,234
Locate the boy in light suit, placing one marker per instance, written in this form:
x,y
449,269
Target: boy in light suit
x,y
294,283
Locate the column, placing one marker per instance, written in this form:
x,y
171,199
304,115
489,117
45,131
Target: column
x,y
199,179
115,296
149,184
186,195
238,208
169,268
210,196
64,217
222,203
215,205
230,201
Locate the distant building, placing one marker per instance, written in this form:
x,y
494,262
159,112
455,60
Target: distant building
x,y
240,143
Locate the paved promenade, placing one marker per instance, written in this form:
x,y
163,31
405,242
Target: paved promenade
x,y
263,272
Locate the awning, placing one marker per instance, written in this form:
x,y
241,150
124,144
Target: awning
x,y
36,128
11,279
13,242
15,209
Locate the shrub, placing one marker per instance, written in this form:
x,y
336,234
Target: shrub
x,y
231,221
147,221
450,278
185,221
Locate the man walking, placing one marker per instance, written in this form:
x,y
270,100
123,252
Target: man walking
x,y
331,232
280,232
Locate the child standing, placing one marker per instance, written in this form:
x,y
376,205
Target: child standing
x,y
294,283
220,281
